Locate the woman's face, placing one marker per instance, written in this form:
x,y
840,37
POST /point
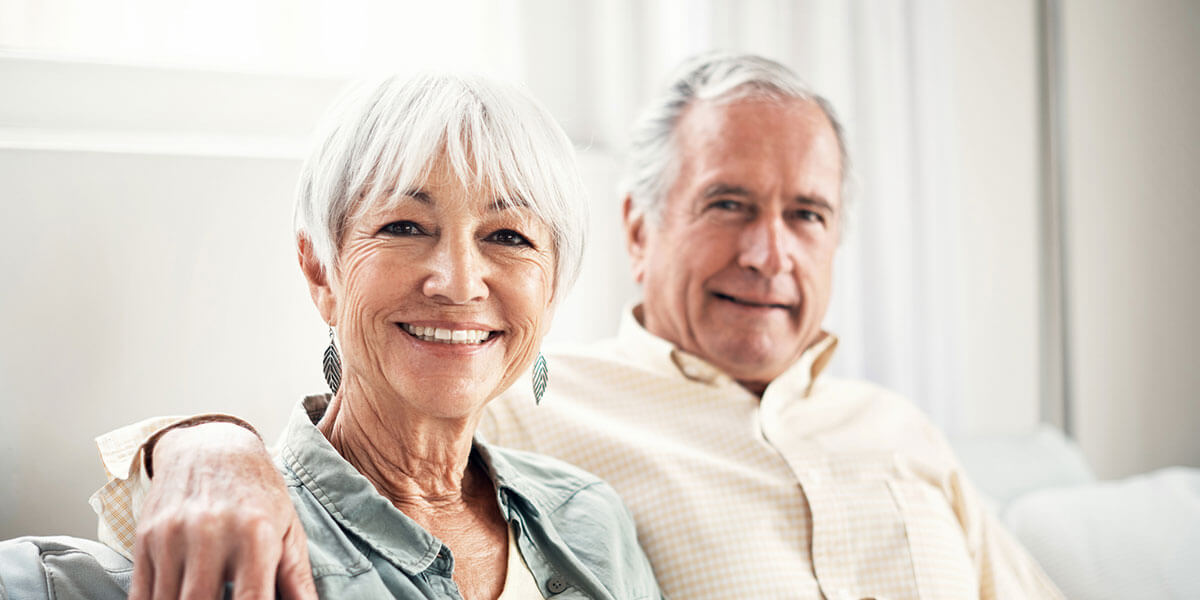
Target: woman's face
x,y
443,298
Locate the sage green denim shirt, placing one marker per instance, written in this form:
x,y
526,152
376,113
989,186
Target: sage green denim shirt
x,y
572,530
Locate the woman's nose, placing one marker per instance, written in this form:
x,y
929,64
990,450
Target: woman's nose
x,y
456,272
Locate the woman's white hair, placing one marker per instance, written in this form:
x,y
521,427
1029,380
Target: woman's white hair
x,y
719,77
382,138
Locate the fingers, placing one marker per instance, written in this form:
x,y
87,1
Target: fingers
x,y
166,583
254,570
156,571
143,574
202,579
294,578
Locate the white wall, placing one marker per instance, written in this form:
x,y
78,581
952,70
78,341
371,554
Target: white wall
x,y
137,284
1133,213
1131,85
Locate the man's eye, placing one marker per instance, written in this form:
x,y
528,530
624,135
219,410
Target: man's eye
x,y
810,216
402,228
508,237
726,205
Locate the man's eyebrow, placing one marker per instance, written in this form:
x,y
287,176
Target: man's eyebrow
x,y
815,201
725,189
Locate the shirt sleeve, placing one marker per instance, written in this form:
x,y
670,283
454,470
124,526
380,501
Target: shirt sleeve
x,y
118,502
1005,568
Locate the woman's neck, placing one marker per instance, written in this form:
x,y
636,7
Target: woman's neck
x,y
418,462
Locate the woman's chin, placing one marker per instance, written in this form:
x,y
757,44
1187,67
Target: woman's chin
x,y
444,396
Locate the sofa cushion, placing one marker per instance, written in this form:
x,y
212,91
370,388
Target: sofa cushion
x,y
1132,538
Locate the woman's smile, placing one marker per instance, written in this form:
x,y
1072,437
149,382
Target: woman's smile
x,y
450,335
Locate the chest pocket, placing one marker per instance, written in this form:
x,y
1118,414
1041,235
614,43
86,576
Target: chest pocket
x,y
876,532
941,561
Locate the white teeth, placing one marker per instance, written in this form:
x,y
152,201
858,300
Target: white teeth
x,y
447,336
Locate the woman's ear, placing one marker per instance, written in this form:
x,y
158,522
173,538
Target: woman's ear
x,y
318,280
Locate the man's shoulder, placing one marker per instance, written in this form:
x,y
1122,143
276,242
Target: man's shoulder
x,y
887,409
867,393
606,350
577,372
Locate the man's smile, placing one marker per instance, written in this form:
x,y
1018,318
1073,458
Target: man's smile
x,y
753,303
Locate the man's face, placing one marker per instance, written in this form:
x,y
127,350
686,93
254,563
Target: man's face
x,y
739,269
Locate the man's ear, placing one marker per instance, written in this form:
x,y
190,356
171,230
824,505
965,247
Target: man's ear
x,y
635,237
318,280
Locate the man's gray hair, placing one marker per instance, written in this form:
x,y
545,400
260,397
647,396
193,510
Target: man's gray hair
x,y
382,138
718,77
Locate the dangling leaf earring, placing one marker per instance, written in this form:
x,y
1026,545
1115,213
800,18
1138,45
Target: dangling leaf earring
x,y
541,375
332,365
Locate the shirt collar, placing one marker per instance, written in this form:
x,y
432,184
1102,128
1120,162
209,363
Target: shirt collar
x,y
348,496
655,352
537,497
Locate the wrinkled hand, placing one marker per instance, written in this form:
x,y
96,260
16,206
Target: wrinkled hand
x,y
217,511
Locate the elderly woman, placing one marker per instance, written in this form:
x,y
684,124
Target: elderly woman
x,y
438,223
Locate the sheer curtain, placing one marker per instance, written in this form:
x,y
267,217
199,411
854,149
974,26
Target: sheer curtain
x,y
883,65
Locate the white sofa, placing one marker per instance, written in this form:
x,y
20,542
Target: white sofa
x,y
1132,538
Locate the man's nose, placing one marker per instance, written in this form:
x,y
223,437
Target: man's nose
x,y
456,272
764,247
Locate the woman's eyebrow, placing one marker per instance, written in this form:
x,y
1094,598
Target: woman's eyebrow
x,y
418,194
501,203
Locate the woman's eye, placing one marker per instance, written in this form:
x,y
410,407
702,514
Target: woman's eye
x,y
508,237
402,228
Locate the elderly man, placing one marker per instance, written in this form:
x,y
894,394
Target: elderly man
x,y
749,473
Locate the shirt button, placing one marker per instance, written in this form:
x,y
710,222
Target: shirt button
x,y
556,585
